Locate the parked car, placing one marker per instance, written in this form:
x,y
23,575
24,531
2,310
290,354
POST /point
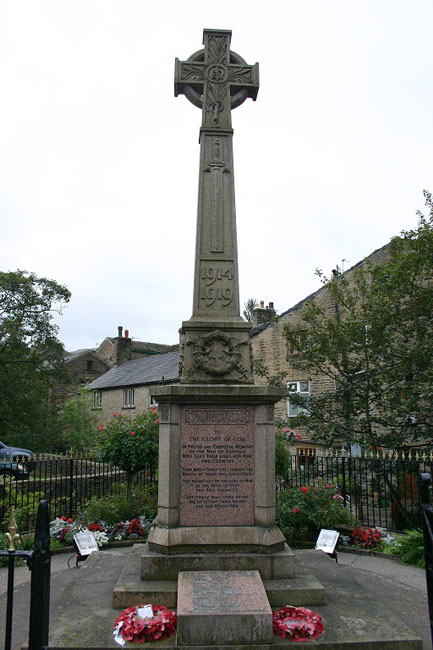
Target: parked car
x,y
16,455
18,470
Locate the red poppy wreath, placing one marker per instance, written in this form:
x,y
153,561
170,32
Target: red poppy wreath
x,y
144,623
297,623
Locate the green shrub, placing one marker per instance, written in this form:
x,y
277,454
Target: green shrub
x,y
302,512
281,454
115,507
26,505
131,443
411,548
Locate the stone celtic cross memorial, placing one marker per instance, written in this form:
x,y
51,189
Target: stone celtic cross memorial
x,y
216,480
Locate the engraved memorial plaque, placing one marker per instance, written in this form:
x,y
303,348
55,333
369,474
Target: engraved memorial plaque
x,y
217,466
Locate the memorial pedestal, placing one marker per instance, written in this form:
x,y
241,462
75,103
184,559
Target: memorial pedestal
x,y
216,480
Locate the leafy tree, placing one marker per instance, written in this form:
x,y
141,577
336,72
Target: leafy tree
x,y
31,356
78,421
250,305
375,346
131,443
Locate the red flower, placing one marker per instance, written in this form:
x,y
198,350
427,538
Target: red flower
x,y
304,489
156,421
132,433
70,520
296,510
297,437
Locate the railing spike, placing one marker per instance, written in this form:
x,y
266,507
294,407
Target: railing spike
x,y
12,535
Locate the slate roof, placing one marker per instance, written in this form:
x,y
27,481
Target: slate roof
x,y
146,348
70,356
147,370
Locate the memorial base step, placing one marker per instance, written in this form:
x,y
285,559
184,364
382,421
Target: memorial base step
x,y
301,590
271,566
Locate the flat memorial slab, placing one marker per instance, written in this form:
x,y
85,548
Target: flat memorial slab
x,y
221,608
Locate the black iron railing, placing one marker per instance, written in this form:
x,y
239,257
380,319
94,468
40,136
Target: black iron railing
x,y
39,562
425,483
380,488
66,483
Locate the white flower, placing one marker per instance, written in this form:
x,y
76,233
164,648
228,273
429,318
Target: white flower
x,y
100,537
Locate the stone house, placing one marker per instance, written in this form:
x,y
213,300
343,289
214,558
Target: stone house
x,y
270,346
116,350
86,365
126,387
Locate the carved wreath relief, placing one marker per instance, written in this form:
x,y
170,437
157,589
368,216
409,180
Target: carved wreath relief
x,y
217,354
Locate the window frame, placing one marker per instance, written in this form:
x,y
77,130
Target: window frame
x,y
96,400
299,409
128,398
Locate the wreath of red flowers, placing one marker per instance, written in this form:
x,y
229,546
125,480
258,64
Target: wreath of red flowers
x,y
297,623
142,630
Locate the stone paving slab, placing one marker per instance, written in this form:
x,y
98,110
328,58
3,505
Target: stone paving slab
x,y
359,614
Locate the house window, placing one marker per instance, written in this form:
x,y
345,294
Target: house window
x,y
295,347
96,399
301,388
89,366
128,398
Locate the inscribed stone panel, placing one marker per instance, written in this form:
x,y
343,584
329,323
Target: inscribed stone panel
x,y
217,466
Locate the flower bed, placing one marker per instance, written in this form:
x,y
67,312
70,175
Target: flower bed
x,y
136,529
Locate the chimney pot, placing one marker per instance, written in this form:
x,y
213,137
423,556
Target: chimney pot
x,y
262,304
119,331
126,334
271,305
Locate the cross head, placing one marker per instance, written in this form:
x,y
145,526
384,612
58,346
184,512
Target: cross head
x,y
216,79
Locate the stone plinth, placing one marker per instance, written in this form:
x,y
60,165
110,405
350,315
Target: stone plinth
x,y
216,480
222,607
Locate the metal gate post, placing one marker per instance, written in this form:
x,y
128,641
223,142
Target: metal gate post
x,y
40,581
427,521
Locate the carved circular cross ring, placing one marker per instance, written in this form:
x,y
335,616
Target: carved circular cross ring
x,y
196,97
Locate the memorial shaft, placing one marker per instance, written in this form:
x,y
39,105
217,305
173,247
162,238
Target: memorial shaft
x,y
214,343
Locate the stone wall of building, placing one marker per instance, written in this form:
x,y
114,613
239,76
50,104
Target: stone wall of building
x,y
113,400
106,351
81,370
270,347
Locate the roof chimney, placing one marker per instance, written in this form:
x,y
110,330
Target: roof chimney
x,y
263,314
122,347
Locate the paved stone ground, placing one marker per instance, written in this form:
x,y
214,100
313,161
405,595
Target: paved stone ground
x,y
401,587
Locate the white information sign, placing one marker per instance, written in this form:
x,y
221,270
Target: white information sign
x,y
327,540
86,543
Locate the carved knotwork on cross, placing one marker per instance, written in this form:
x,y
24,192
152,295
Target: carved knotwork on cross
x,y
216,79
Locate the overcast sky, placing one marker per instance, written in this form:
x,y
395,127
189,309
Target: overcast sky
x,y
99,160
